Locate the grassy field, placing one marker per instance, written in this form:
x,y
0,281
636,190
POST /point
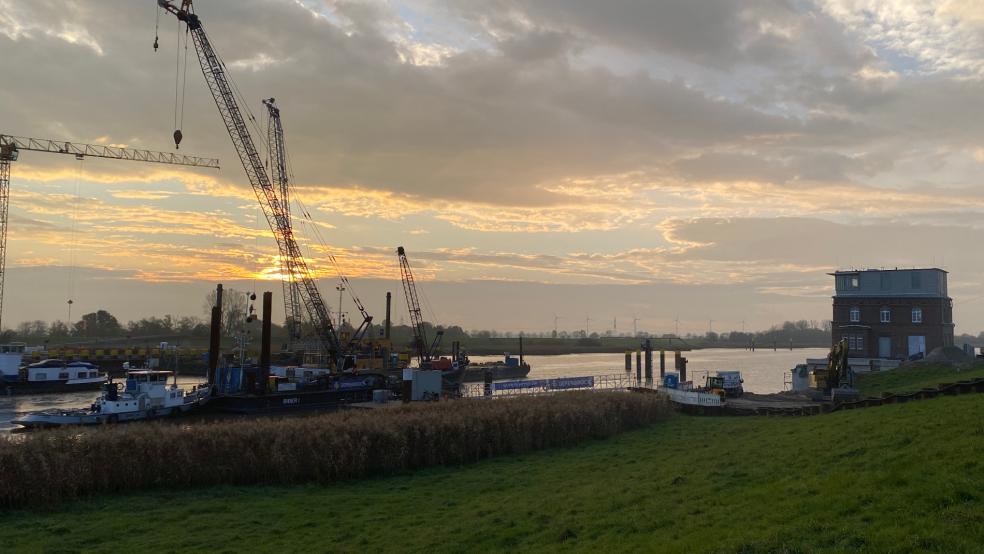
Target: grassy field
x,y
901,478
914,377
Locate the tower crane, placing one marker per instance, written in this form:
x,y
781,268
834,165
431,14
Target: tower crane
x,y
219,85
424,353
11,146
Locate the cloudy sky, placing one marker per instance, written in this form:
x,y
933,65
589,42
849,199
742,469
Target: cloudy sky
x,y
669,160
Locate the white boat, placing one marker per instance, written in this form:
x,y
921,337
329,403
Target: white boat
x,y
46,375
145,394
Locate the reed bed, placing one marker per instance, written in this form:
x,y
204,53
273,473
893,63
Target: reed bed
x,y
52,466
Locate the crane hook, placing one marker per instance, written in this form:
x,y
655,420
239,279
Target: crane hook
x,y
156,45
177,139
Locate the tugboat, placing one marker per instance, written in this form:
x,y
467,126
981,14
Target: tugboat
x,y
46,375
145,395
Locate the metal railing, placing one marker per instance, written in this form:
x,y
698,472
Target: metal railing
x,y
500,389
612,382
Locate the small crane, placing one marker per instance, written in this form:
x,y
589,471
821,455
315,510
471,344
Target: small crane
x,y
424,353
11,146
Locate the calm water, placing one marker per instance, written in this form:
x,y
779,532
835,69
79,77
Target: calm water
x,y
762,370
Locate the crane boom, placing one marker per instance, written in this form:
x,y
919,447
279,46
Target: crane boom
x,y
424,353
413,305
281,178
218,83
11,146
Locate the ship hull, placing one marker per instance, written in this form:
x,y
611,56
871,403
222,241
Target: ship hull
x,y
45,387
289,401
476,374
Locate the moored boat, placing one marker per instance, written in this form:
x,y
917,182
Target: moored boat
x,y
145,394
45,376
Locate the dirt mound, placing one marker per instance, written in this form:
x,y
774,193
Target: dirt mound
x,y
947,355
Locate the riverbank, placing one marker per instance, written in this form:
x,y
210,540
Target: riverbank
x,y
844,481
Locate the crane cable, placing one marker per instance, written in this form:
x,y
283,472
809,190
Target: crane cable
x,y
73,240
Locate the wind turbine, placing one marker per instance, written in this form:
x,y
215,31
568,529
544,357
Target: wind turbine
x,y
556,318
635,326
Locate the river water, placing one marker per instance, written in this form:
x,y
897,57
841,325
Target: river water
x,y
763,371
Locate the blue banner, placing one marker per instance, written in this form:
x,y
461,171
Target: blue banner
x,y
517,385
571,383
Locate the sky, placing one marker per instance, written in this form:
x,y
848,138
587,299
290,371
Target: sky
x,y
673,165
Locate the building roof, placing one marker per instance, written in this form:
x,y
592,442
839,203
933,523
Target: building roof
x,y
899,269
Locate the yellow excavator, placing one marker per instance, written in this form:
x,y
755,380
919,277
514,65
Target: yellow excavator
x,y
838,372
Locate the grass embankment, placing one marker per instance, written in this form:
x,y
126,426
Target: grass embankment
x,y
902,478
46,467
913,377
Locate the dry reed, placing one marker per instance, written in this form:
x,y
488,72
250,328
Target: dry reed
x,y
52,466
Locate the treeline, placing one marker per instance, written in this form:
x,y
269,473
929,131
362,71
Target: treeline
x,y
103,327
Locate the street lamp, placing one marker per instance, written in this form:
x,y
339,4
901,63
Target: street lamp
x,y
340,287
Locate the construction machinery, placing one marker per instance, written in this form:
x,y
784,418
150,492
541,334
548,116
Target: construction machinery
x,y
273,206
714,384
11,147
425,353
838,374
281,178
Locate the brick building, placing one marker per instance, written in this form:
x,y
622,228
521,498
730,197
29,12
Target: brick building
x,y
896,313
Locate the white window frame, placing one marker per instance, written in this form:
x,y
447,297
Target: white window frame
x,y
855,314
859,342
917,315
851,343
885,315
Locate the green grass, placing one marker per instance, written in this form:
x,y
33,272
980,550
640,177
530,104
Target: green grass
x,y
914,377
900,478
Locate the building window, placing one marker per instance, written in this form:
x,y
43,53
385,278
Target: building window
x,y
886,315
917,315
856,315
859,342
855,282
851,344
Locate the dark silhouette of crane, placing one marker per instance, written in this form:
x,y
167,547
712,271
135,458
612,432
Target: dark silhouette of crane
x,y
281,179
278,218
425,353
11,147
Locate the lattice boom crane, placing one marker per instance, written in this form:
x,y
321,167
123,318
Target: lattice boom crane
x,y
281,179
11,147
273,208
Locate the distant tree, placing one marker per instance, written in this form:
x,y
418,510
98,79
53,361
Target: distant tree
x,y
235,304
97,324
